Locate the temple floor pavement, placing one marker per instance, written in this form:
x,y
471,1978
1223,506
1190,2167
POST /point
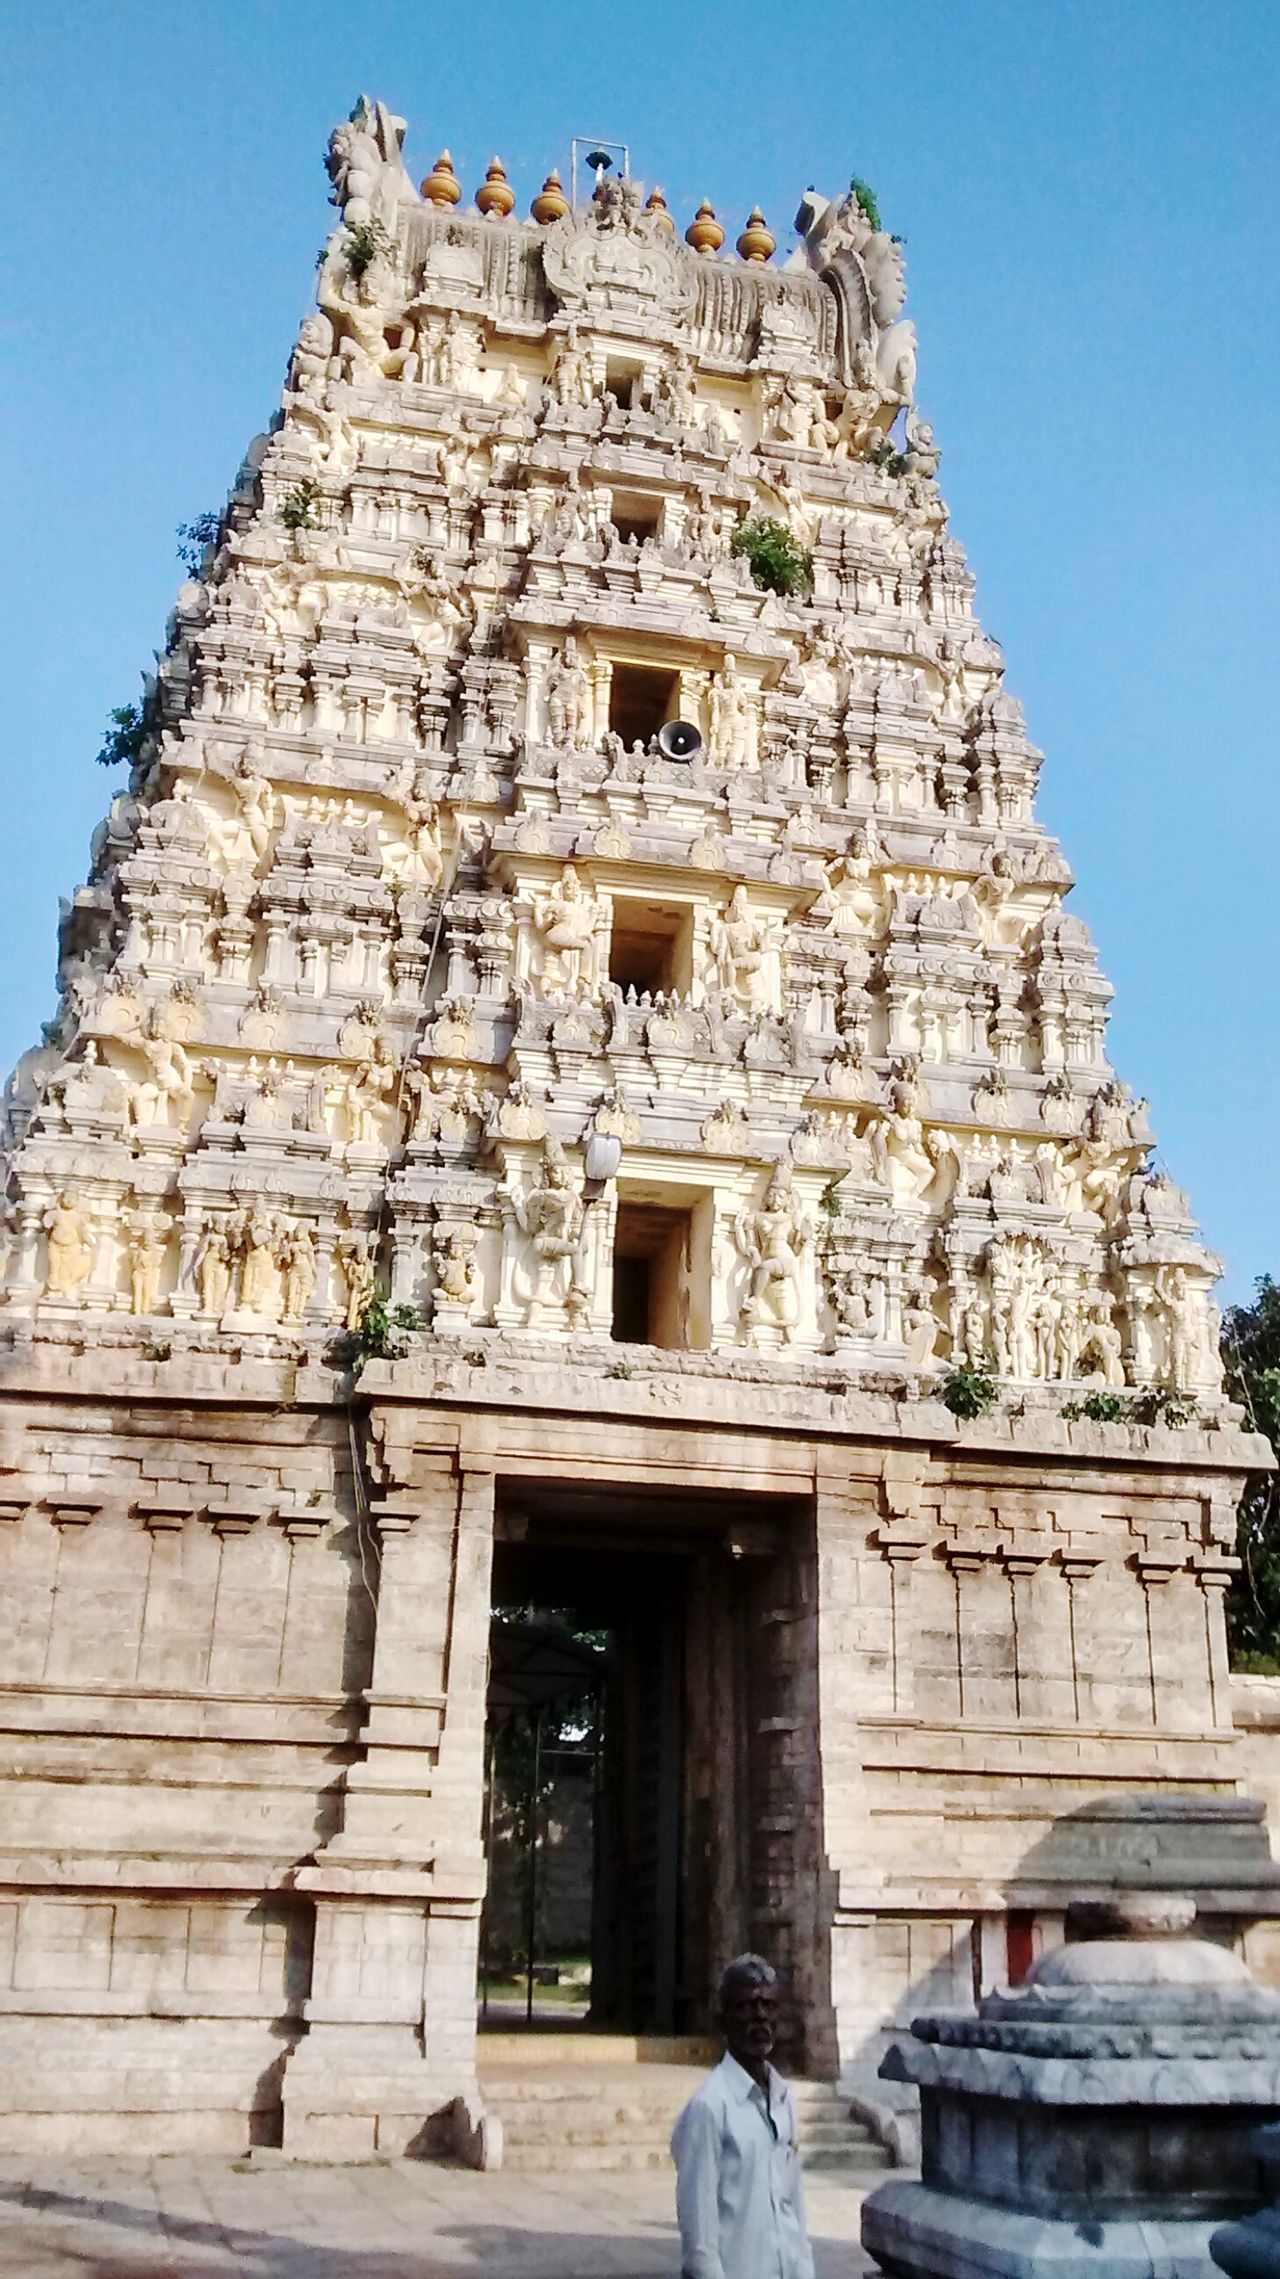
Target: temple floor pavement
x,y
183,2218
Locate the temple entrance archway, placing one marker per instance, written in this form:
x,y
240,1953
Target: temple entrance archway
x,y
652,1778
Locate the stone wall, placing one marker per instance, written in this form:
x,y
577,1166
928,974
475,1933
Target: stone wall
x,y
245,1701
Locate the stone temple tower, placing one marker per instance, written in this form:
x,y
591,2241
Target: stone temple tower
x,y
573,1039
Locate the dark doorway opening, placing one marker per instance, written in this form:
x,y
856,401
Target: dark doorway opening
x,y
651,1256
652,1750
641,699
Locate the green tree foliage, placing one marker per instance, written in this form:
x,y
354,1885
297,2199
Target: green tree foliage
x,y
969,1392
363,244
866,198
777,561
125,736
195,539
297,509
1251,1356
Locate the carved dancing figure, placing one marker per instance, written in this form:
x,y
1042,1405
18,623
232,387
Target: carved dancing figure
x,y
773,1239
550,1216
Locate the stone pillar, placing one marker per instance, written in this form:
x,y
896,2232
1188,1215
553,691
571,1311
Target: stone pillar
x,y
855,1613
398,1888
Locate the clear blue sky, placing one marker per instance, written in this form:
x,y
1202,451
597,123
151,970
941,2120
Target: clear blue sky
x,y
1089,193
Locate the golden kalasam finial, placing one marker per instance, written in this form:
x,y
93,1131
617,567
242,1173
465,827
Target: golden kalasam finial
x,y
551,201
704,233
495,194
656,205
442,187
757,241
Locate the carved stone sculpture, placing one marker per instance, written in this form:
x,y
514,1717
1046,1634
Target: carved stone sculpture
x,y
70,1247
773,1239
569,921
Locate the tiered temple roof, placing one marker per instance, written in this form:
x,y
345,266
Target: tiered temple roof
x,y
579,876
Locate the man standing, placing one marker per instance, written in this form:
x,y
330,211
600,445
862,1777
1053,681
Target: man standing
x,y
739,2197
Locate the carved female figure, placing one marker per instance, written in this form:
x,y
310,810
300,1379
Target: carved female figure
x,y
772,1239
214,1268
297,1259
259,1287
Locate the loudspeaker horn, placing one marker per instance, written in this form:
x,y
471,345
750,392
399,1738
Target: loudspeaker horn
x,y
679,740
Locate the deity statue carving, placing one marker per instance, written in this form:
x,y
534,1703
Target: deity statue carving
x,y
375,340
731,720
677,389
549,1217
296,1258
167,1095
366,1092
457,1275
213,1269
148,1232
744,949
70,1247
309,366
1191,1359
423,834
900,1149
570,702
1103,1340
438,614
259,1270
360,1274
922,455
921,1329
857,1301
849,903
773,1239
570,921
245,834
571,374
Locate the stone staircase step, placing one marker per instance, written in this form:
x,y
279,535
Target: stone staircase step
x,y
619,2116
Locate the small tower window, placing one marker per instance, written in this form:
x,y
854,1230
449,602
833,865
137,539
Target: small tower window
x,y
651,947
635,516
651,1250
622,382
641,699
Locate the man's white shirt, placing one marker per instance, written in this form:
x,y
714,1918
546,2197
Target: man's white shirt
x,y
739,2196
